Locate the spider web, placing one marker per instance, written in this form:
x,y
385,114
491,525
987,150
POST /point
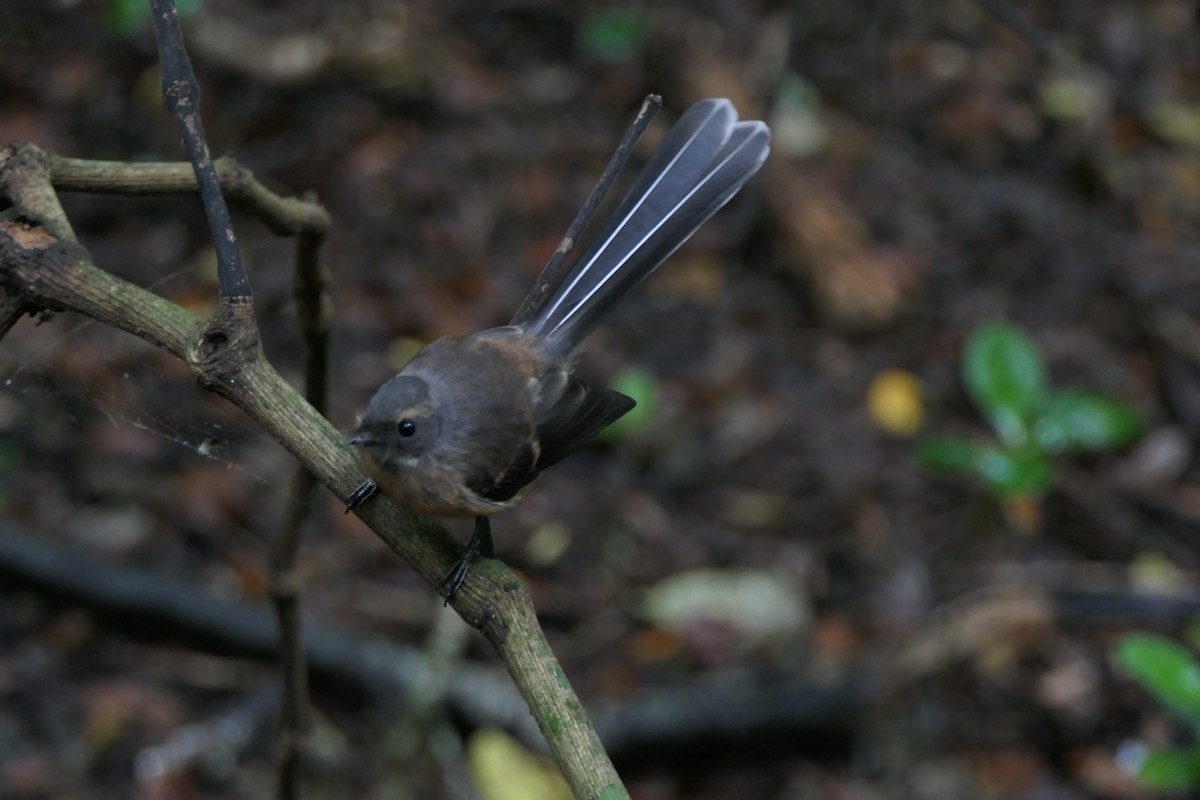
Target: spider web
x,y
98,426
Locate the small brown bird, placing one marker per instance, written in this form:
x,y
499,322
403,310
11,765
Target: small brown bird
x,y
471,420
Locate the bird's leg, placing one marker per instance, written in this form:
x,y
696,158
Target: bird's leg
x,y
480,545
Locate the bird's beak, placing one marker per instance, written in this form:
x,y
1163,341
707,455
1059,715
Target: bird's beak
x,y
360,438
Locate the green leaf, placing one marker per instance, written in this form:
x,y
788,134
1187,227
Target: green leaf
x,y
1006,377
642,386
1178,123
1014,472
1008,472
1084,421
615,35
946,453
1167,669
1172,770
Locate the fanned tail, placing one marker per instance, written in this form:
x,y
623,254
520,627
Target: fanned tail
x,y
703,162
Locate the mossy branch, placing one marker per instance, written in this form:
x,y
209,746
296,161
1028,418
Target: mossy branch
x,y
43,268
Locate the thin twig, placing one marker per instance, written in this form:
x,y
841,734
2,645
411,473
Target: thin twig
x,y
24,173
181,92
312,306
285,216
313,314
295,719
225,356
426,711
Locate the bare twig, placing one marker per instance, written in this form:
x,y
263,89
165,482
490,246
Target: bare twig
x,y
181,92
295,722
426,710
44,268
223,354
25,184
312,311
313,314
285,216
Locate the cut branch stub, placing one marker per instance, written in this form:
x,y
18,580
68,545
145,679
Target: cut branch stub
x,y
37,258
228,345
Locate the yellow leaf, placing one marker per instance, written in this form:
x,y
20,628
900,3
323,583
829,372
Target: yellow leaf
x,y
1178,123
504,770
895,403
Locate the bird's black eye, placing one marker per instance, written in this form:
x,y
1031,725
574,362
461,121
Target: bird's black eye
x,y
406,427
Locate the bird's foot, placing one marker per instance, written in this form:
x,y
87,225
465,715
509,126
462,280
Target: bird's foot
x,y
479,546
359,497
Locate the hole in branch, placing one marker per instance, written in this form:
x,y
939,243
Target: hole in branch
x,y
214,342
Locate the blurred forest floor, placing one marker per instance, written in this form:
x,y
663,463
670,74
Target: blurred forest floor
x,y
758,540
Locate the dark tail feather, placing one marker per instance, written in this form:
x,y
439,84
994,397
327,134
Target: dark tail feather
x,y
703,162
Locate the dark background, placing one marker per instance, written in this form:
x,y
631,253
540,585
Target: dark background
x,y
936,165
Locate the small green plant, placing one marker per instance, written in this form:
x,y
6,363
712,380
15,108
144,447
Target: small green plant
x,y
1034,422
643,387
1171,673
615,35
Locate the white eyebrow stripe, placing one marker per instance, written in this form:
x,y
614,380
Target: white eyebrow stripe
x,y
665,218
582,271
